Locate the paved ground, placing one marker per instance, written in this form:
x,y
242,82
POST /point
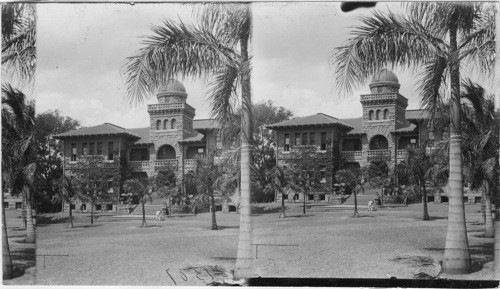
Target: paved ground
x,y
326,242
22,254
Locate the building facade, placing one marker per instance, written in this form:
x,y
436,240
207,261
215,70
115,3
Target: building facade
x,y
174,139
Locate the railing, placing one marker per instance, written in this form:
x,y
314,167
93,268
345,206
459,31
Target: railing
x,y
163,106
141,165
165,163
190,162
378,96
351,155
402,153
376,153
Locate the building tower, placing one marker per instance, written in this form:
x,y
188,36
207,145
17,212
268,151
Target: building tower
x,y
171,120
383,113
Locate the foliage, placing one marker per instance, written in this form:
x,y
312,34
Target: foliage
x,y
141,188
165,182
19,40
49,158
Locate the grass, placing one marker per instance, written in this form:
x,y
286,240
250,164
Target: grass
x,y
326,242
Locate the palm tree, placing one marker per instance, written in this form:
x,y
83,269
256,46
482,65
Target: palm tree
x,y
354,179
278,182
438,37
217,48
480,139
142,188
68,193
416,168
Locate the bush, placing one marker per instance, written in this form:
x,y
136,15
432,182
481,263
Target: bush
x,y
181,209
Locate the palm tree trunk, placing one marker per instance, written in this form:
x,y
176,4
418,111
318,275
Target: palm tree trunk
x,y
6,258
30,228
23,210
304,205
143,215
244,257
483,206
424,200
282,215
70,219
356,214
456,253
212,201
490,229
496,257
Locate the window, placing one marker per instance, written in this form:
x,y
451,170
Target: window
x,y
304,139
165,124
323,177
310,197
73,152
98,207
91,148
201,150
287,142
99,148
323,141
377,116
312,138
297,139
158,124
84,149
83,207
109,207
285,197
172,124
110,185
110,151
386,113
370,115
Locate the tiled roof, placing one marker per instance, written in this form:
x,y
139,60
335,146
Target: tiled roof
x,y
417,114
205,124
408,127
143,133
356,123
194,137
315,119
102,129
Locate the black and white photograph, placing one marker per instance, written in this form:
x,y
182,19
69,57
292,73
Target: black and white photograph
x,y
340,144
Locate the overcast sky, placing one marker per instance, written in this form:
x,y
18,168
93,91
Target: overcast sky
x,y
82,47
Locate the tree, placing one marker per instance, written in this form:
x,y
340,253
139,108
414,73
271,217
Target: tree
x,y
141,188
480,138
438,37
91,176
19,40
49,158
69,194
309,170
416,168
216,47
354,180
166,187
208,177
277,183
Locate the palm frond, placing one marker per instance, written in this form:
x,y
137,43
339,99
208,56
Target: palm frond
x,y
174,50
381,40
432,77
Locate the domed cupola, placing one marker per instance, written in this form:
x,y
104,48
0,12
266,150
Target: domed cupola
x,y
172,91
384,81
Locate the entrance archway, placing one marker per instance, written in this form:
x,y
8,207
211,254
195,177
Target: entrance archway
x,y
166,152
379,142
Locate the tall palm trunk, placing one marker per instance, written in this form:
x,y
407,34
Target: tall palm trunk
x,y
483,206
304,204
70,219
244,258
23,210
490,229
143,214
30,227
212,201
92,204
6,259
456,253
424,200
282,215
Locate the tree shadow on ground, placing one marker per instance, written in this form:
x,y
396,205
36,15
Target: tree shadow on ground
x,y
180,216
265,210
22,259
299,216
219,228
87,226
480,254
45,220
224,258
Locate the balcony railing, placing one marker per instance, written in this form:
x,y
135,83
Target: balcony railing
x,y
142,165
190,162
352,155
379,153
402,154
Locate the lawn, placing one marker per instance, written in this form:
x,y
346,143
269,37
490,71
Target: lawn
x,y
326,242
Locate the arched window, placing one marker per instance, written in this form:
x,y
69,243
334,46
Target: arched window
x,y
158,124
379,142
370,115
172,124
165,124
166,152
386,113
377,116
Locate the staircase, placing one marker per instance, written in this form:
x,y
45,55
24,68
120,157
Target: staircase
x,y
362,199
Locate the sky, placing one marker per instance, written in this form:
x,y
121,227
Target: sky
x,y
81,49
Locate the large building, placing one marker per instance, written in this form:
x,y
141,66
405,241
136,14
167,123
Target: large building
x,y
173,139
